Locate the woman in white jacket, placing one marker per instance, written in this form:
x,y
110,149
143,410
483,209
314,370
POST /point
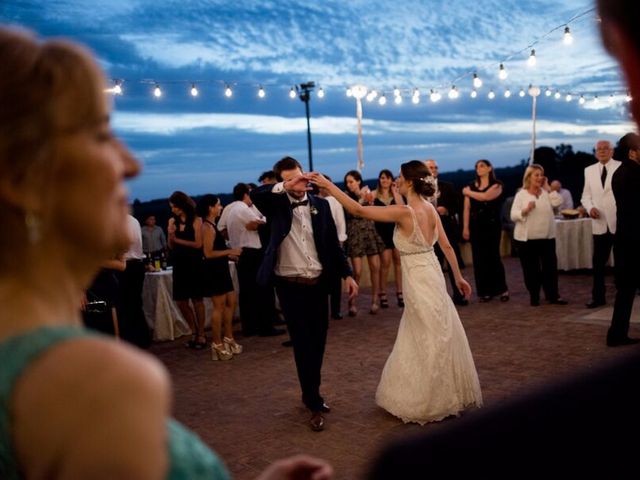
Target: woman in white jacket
x,y
535,233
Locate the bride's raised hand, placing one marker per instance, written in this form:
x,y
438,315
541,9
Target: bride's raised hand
x,y
319,180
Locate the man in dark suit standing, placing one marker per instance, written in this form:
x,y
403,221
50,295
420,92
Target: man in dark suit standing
x,y
447,203
302,258
626,190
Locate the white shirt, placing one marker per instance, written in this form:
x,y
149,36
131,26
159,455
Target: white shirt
x,y
236,220
297,255
337,212
135,234
539,223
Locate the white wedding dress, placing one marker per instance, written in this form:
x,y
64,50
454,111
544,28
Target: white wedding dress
x,y
430,373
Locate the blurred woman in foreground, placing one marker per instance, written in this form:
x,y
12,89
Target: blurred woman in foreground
x,y
74,404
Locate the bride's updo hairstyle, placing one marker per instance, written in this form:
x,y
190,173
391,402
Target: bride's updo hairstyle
x,y
418,174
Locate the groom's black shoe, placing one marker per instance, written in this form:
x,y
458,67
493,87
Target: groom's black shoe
x,y
325,408
316,422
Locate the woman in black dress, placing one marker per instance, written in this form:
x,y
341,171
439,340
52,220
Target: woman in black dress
x,y
385,194
217,282
483,228
185,241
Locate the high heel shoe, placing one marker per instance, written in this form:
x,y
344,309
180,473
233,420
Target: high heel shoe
x,y
220,352
233,346
384,302
400,299
374,308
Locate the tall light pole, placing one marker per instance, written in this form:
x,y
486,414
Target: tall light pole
x,y
304,92
534,92
359,91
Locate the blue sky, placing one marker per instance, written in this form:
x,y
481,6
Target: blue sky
x,y
209,143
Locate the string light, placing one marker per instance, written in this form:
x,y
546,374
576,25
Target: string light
x,y
567,38
582,100
320,92
396,92
117,88
228,92
453,93
596,100
474,93
556,95
477,83
415,99
532,58
194,90
261,92
382,100
292,93
157,92
521,93
547,92
568,98
491,95
435,96
502,73
397,99
507,93
349,92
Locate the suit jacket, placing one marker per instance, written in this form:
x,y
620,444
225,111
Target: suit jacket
x,y
626,190
277,208
450,199
594,195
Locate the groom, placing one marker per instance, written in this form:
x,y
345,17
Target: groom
x,y
302,257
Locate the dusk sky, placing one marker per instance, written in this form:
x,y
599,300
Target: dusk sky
x,y
210,142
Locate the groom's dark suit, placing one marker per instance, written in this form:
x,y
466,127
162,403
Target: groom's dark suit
x,y
304,301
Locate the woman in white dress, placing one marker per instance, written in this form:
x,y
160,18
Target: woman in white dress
x,y
430,373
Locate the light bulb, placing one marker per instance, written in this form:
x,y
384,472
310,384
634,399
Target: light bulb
x,y
434,96
261,92
349,92
477,83
521,93
491,95
507,93
611,98
567,38
117,89
556,95
396,92
320,92
415,99
453,93
502,73
547,92
582,100
596,99
194,90
532,58
374,94
292,93
157,92
359,91
568,98
382,100
474,93
397,99
228,92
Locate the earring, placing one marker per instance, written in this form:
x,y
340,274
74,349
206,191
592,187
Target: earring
x,y
33,224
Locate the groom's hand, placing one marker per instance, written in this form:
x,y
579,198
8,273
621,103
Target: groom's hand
x,y
297,184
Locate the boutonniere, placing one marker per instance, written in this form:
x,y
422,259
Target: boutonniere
x,y
313,210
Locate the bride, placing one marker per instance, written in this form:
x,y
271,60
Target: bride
x,y
430,373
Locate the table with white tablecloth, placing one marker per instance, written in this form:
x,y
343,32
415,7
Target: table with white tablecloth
x,y
574,243
161,312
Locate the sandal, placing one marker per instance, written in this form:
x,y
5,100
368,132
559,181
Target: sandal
x,y
400,299
384,302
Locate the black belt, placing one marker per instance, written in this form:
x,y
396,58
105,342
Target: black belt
x,y
301,280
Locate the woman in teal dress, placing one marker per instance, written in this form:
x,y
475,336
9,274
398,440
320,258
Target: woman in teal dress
x,y
75,404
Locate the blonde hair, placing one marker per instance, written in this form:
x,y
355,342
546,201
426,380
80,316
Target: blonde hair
x,y
526,180
47,88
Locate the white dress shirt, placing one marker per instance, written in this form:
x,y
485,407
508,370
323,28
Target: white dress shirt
x,y
235,222
135,234
337,212
297,255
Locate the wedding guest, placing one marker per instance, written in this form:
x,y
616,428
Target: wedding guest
x,y
154,242
447,202
75,404
185,241
483,228
535,234
362,241
385,194
217,282
598,200
267,178
567,200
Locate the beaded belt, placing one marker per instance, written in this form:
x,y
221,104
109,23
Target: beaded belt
x,y
404,254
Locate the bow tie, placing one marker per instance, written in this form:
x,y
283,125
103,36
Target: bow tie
x,y
299,204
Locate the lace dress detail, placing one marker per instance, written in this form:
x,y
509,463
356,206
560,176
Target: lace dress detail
x,y
430,373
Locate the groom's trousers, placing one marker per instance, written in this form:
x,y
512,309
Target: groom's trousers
x,y
304,305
